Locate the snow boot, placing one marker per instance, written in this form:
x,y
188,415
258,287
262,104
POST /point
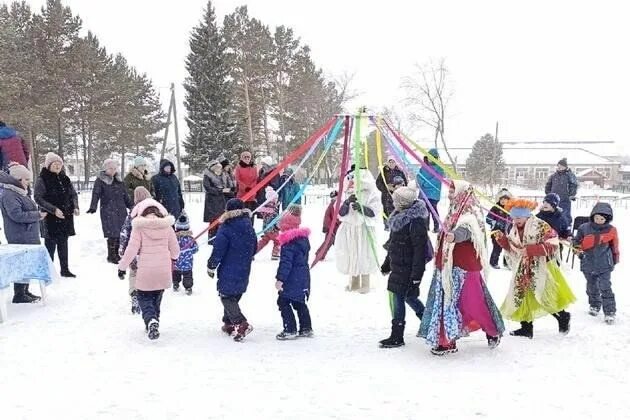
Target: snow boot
x,y
365,284
68,274
175,287
189,291
115,246
493,342
355,282
228,328
154,329
242,330
286,335
135,305
396,339
609,319
305,334
564,322
19,294
444,350
593,311
29,294
111,252
526,330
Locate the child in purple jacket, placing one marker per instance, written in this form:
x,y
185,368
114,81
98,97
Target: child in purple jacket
x,y
182,268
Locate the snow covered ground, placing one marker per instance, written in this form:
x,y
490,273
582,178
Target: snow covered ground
x,y
84,356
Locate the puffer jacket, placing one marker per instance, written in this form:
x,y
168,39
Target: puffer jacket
x,y
167,189
599,243
293,270
19,212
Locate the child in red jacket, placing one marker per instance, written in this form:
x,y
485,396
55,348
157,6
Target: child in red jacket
x,y
330,222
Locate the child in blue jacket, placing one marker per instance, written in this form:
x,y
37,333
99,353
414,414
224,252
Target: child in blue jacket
x,y
293,279
231,259
183,267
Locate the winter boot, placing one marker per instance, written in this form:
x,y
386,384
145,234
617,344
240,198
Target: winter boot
x,y
228,328
305,334
564,322
110,251
154,329
286,335
444,350
495,266
365,284
19,294
29,294
189,291
355,282
593,311
67,273
396,338
175,287
609,319
242,330
135,305
493,342
115,246
526,330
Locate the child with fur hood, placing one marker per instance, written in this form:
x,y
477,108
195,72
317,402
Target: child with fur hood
x,y
269,213
153,239
231,260
183,267
293,277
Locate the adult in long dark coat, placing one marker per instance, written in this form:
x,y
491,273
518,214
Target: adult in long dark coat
x,y
215,184
21,218
266,167
111,192
564,183
386,185
55,194
167,189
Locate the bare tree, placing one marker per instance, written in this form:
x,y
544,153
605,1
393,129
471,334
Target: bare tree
x,y
427,94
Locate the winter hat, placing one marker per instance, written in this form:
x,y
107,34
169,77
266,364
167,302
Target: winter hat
x,y
140,194
563,162
213,163
139,161
520,208
223,160
52,158
434,152
110,163
270,194
289,221
398,180
404,197
20,172
182,223
234,204
504,193
267,160
553,199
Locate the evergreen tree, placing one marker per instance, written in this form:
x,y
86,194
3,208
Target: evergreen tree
x,y
485,164
208,96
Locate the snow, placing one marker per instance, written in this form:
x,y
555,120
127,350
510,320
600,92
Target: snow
x,y
84,356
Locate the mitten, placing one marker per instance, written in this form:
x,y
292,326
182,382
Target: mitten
x,y
121,274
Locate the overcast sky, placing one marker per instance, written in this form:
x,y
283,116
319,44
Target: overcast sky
x,y
545,70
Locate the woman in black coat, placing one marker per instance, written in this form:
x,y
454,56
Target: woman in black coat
x,y
110,190
55,194
406,259
215,185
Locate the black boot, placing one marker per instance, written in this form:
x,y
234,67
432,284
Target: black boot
x,y
19,294
109,251
564,321
526,330
29,294
115,246
396,339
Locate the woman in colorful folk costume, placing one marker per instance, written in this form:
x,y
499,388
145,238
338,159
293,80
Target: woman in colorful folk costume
x,y
459,301
538,286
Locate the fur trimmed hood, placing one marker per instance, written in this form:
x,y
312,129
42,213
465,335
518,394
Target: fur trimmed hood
x,y
146,203
233,214
400,219
293,234
10,183
108,179
152,222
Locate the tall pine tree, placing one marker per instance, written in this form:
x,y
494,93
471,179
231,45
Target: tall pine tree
x,y
208,95
485,164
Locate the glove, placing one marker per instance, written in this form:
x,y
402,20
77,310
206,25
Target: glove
x,y
356,206
91,211
211,272
121,274
385,270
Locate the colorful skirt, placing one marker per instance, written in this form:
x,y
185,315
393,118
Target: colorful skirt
x,y
555,297
471,308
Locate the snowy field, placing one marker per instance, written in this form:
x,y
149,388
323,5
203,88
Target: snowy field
x,y
84,356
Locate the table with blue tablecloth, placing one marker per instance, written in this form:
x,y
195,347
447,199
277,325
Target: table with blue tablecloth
x,y
22,264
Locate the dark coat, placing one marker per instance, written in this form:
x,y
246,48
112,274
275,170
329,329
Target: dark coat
x,y
115,201
274,183
214,204
55,191
233,250
557,221
135,179
563,183
383,183
167,189
19,212
293,270
406,250
496,218
599,243
289,191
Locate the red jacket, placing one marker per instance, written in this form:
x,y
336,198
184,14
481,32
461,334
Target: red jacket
x,y
246,178
12,147
330,218
464,256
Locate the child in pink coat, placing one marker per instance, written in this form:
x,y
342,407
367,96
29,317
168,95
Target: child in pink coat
x,y
153,239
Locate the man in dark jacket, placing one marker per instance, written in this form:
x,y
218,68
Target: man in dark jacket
x,y
598,243
564,183
21,219
13,148
406,260
167,189
385,184
499,220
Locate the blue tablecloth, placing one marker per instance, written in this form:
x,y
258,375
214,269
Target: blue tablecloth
x,y
23,263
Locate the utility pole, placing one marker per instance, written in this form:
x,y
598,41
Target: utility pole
x,y
179,161
494,156
168,125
